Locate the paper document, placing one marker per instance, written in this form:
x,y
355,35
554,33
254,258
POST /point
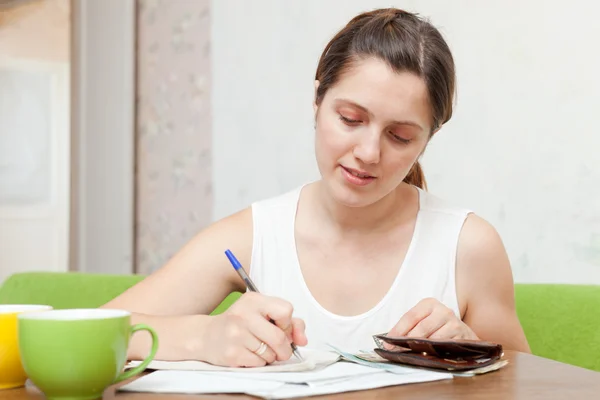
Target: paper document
x,y
337,378
374,362
196,382
312,359
379,380
322,372
322,375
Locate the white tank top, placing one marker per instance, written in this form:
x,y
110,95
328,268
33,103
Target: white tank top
x,y
428,270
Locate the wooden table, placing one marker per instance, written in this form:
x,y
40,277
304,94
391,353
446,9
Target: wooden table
x,y
525,377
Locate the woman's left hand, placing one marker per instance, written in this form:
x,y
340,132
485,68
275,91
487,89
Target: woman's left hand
x,y
432,319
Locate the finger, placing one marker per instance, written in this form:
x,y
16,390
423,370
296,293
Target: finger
x,y
465,333
239,342
263,351
430,324
426,328
299,332
455,329
272,335
278,310
411,318
239,355
448,331
274,309
247,358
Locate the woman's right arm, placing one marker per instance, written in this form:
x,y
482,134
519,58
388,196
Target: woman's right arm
x,y
176,299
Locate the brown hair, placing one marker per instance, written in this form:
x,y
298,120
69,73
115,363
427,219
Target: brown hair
x,y
407,43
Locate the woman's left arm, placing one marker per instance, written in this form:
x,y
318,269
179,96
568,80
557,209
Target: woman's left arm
x,y
485,290
485,285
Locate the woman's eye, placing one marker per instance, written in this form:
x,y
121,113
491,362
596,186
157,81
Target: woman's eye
x,y
349,121
400,139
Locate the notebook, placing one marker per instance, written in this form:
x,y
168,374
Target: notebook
x,y
312,359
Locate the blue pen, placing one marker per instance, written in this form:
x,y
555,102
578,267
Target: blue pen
x,y
250,285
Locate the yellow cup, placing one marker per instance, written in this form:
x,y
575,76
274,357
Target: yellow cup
x,y
11,369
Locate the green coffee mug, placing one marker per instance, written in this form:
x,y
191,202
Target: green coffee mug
x,y
77,353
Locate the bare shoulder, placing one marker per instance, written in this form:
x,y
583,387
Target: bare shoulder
x,y
481,261
479,241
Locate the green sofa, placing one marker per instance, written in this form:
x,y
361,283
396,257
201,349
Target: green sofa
x,y
562,322
74,289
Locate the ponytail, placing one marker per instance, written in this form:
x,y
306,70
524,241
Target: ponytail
x,y
416,177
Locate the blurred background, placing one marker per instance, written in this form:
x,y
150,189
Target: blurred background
x,y
127,126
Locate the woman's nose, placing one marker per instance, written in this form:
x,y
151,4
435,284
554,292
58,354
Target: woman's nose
x,y
368,149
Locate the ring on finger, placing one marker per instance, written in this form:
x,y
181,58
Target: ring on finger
x,y
261,349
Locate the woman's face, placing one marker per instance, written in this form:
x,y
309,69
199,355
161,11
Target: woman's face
x,y
371,127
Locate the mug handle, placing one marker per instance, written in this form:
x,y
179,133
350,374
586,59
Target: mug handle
x,y
140,368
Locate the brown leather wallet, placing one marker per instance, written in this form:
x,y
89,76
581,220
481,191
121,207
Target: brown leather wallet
x,y
450,355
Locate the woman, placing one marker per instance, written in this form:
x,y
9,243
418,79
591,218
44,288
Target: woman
x,y
363,250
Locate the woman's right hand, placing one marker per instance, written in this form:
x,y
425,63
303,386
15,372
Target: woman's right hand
x,y
235,338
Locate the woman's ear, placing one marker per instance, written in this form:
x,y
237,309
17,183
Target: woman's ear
x,y
315,106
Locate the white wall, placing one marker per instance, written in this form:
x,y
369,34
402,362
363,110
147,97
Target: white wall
x,y
521,149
